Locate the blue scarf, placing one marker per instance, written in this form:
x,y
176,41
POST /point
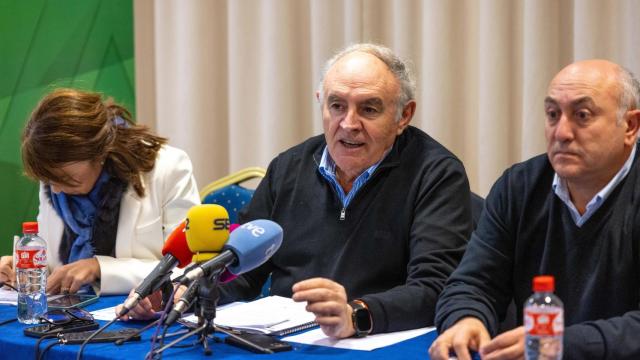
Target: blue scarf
x,y
78,212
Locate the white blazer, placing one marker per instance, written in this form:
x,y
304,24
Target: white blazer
x,y
143,224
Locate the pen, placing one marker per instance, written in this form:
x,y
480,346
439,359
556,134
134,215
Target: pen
x,y
7,321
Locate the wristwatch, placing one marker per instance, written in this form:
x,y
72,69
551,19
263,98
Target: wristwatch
x,y
361,318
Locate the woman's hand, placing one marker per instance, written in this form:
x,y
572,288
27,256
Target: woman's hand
x,y
71,277
148,307
7,275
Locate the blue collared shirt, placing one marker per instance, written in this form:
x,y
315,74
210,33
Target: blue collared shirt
x,y
560,188
327,169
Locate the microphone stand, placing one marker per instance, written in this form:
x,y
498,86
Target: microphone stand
x,y
205,304
205,309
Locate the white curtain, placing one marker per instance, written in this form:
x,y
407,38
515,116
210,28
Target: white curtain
x,y
233,81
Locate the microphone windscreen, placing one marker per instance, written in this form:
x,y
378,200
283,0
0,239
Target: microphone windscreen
x,y
176,245
207,228
233,227
253,243
203,256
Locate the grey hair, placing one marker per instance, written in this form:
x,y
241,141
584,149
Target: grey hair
x,y
629,93
396,65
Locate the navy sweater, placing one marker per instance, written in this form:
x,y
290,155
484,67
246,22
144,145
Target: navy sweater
x,y
403,234
527,230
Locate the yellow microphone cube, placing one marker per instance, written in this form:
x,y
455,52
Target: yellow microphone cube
x,y
207,228
203,256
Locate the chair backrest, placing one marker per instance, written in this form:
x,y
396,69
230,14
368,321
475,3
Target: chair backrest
x,y
228,192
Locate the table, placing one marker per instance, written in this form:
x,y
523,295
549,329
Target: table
x,y
14,345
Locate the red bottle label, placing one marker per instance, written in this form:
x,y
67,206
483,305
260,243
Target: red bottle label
x,y
543,322
30,258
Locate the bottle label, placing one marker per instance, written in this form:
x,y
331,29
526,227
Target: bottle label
x,y
30,257
547,321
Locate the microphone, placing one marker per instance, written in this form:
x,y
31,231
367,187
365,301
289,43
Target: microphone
x,y
207,230
176,252
249,246
185,302
227,276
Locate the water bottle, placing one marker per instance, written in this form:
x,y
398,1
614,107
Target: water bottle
x,y
31,272
543,321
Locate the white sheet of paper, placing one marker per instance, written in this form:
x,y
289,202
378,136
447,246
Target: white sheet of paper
x,y
109,313
367,343
8,297
104,314
266,315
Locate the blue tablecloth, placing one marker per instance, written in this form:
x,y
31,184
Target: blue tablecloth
x,y
15,345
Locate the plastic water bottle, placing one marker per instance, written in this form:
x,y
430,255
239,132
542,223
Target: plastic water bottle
x,y
543,321
31,271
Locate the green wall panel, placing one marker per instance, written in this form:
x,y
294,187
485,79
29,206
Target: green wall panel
x,y
86,44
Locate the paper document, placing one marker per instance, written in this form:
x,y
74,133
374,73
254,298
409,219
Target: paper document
x,y
104,314
8,296
274,315
367,343
107,314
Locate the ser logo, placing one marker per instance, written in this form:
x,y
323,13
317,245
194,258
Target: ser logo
x,y
221,224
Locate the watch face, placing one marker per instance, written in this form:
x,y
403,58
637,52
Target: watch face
x,y
363,321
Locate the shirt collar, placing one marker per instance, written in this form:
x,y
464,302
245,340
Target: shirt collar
x,y
328,166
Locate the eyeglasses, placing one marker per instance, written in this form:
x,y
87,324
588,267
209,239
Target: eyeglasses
x,y
65,316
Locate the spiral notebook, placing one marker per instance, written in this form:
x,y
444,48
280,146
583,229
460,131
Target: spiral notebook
x,y
272,315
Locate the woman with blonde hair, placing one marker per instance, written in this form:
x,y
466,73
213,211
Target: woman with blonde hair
x,y
110,192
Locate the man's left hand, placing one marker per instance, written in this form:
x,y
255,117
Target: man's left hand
x,y
70,278
327,300
506,346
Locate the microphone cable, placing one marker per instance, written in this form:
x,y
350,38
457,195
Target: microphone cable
x,y
95,333
38,355
48,347
159,325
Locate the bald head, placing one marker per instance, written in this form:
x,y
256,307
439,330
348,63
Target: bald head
x,y
604,77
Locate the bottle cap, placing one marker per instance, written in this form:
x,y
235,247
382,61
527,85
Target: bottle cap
x,y
544,283
30,227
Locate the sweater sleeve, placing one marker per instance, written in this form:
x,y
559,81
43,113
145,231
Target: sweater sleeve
x,y
613,338
437,239
480,286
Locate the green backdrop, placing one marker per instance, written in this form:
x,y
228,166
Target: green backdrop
x,y
86,44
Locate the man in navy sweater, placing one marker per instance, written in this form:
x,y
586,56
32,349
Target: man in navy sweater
x,y
376,214
573,213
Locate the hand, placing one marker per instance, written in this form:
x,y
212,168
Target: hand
x,y
70,278
7,275
506,346
148,307
327,300
467,333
